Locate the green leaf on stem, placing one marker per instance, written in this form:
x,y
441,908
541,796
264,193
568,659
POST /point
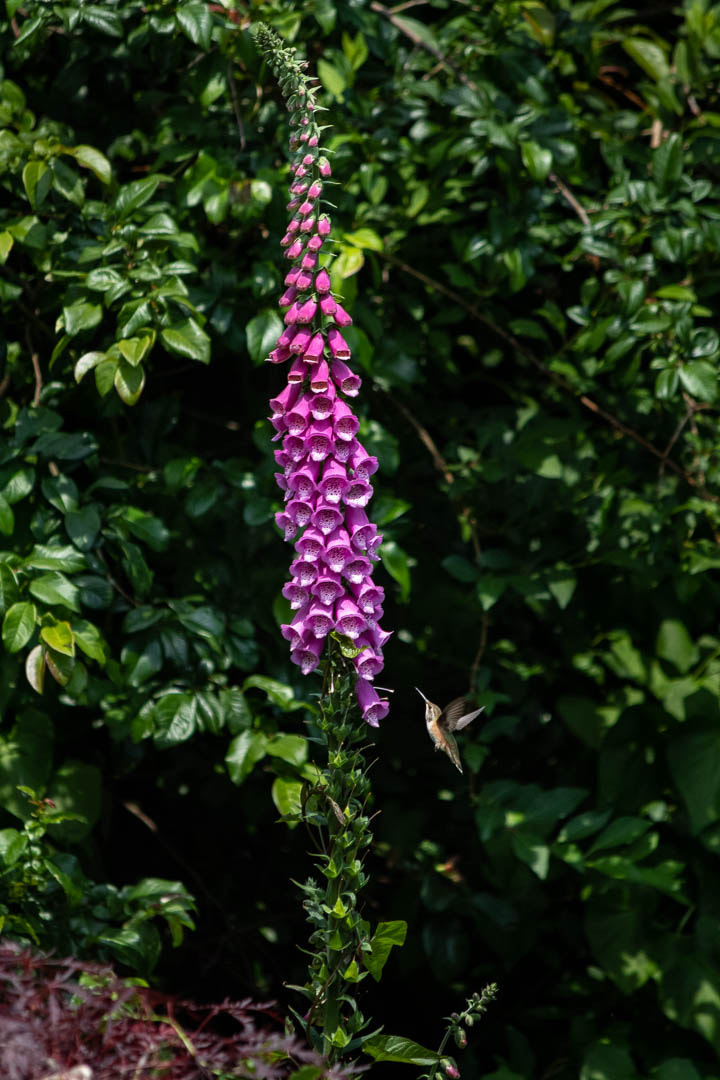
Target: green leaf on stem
x,y
396,1048
387,935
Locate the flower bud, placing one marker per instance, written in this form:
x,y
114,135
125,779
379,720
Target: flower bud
x,y
322,282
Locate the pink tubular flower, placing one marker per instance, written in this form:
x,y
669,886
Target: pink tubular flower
x,y
285,339
302,481
362,463
345,421
288,296
328,587
307,655
285,400
278,356
291,316
334,481
320,377
288,526
300,341
368,597
327,517
319,619
293,631
362,532
338,552
341,316
306,311
311,545
374,708
325,472
322,281
350,619
298,371
357,568
322,405
338,345
358,493
305,573
369,662
298,417
296,593
315,349
345,450
300,512
319,440
294,447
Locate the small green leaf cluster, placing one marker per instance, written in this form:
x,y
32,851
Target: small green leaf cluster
x,y
45,896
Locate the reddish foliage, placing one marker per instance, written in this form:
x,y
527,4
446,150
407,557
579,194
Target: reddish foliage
x,y
50,1022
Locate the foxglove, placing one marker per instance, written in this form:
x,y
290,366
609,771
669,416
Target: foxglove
x,y
326,471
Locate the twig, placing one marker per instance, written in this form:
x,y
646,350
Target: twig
x,y
36,368
675,436
554,376
604,77
426,438
236,106
408,4
420,43
128,465
115,584
570,198
484,623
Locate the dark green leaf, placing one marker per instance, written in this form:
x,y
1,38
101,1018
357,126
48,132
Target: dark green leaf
x,y
83,526
55,588
196,21
244,752
387,935
396,1048
187,339
648,55
135,194
699,379
81,316
262,333
18,625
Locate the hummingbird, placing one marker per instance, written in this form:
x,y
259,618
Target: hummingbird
x,y
442,722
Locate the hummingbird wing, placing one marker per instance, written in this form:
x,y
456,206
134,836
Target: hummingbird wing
x,y
457,715
452,751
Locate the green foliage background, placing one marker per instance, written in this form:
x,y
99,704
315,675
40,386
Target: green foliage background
x,y
528,228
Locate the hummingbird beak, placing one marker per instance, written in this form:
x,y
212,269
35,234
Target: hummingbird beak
x,y
422,695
